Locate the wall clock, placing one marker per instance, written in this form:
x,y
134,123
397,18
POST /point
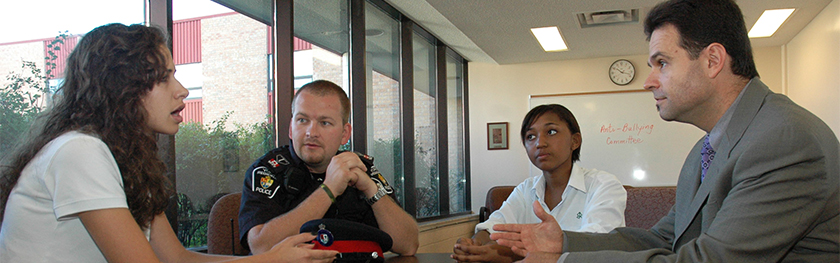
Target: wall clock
x,y
622,72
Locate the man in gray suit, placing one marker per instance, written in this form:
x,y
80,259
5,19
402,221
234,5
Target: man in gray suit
x,y
761,186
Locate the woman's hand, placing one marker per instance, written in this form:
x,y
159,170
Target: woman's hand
x,y
468,250
294,249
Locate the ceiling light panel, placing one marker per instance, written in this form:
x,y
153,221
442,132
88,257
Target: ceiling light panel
x,y
550,38
769,22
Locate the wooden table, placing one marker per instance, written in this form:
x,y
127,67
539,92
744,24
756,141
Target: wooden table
x,y
420,258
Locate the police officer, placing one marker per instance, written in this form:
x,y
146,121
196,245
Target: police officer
x,y
311,179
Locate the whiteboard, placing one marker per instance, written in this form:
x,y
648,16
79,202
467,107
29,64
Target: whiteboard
x,y
623,135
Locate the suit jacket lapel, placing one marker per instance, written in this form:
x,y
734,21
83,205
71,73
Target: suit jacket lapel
x,y
745,112
689,182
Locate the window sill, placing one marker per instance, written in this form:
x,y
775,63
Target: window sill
x,y
438,236
449,221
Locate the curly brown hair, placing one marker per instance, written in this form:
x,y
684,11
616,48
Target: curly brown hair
x,y
108,73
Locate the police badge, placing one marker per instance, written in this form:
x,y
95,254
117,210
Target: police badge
x,y
324,236
266,182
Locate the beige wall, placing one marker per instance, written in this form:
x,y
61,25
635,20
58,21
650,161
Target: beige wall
x,y
813,66
500,93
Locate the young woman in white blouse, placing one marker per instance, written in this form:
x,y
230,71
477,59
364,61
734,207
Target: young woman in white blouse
x,y
581,199
87,185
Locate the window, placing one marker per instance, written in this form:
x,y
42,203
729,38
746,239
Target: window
x,y
33,52
419,144
426,174
325,26
224,56
426,160
221,57
456,136
384,136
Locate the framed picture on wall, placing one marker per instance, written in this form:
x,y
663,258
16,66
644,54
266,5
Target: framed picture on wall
x,y
497,136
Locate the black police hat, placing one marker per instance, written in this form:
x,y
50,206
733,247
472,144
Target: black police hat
x,y
355,242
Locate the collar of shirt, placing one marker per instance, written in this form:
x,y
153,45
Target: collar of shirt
x,y
720,126
576,181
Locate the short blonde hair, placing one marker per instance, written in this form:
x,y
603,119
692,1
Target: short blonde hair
x,y
323,88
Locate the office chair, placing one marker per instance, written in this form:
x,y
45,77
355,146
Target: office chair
x,y
495,197
223,227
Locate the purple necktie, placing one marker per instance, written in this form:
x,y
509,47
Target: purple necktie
x,y
707,154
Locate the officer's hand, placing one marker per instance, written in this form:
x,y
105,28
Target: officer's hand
x,y
344,170
366,185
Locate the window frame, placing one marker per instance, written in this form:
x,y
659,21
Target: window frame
x,y
159,14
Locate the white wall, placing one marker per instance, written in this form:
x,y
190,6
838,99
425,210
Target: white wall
x,y
813,66
500,93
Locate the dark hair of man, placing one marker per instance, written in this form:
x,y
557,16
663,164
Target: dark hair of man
x,y
562,112
107,75
323,88
703,22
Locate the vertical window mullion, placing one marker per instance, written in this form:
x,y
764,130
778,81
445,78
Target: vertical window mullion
x,y
407,72
284,75
466,124
442,131
358,75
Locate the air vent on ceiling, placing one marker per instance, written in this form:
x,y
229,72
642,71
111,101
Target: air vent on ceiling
x,y
605,18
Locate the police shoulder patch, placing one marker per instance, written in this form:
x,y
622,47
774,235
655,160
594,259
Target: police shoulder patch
x,y
264,181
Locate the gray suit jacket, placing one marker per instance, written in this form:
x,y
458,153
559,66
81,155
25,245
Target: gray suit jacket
x,y
770,195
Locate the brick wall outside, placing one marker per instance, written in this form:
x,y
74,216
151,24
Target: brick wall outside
x,y
13,56
425,134
235,69
385,100
328,66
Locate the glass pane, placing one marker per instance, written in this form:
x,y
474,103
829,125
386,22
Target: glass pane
x,y
383,95
221,56
425,129
455,126
33,52
322,42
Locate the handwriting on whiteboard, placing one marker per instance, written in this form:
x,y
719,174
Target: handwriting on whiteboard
x,y
629,133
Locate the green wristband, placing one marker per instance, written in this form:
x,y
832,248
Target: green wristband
x,y
329,193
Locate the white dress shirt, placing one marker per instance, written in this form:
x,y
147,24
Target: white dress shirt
x,y
593,201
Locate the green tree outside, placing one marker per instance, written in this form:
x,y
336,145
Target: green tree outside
x,y
26,95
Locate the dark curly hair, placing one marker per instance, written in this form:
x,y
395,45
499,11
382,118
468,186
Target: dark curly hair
x,y
108,73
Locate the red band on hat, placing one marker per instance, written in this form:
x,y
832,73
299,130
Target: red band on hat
x,y
351,246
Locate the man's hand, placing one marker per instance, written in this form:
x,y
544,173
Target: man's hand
x,y
527,238
344,170
366,185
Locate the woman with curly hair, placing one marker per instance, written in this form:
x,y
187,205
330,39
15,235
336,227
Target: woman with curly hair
x,y
87,185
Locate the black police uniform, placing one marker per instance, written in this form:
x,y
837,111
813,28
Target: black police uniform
x,y
279,180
